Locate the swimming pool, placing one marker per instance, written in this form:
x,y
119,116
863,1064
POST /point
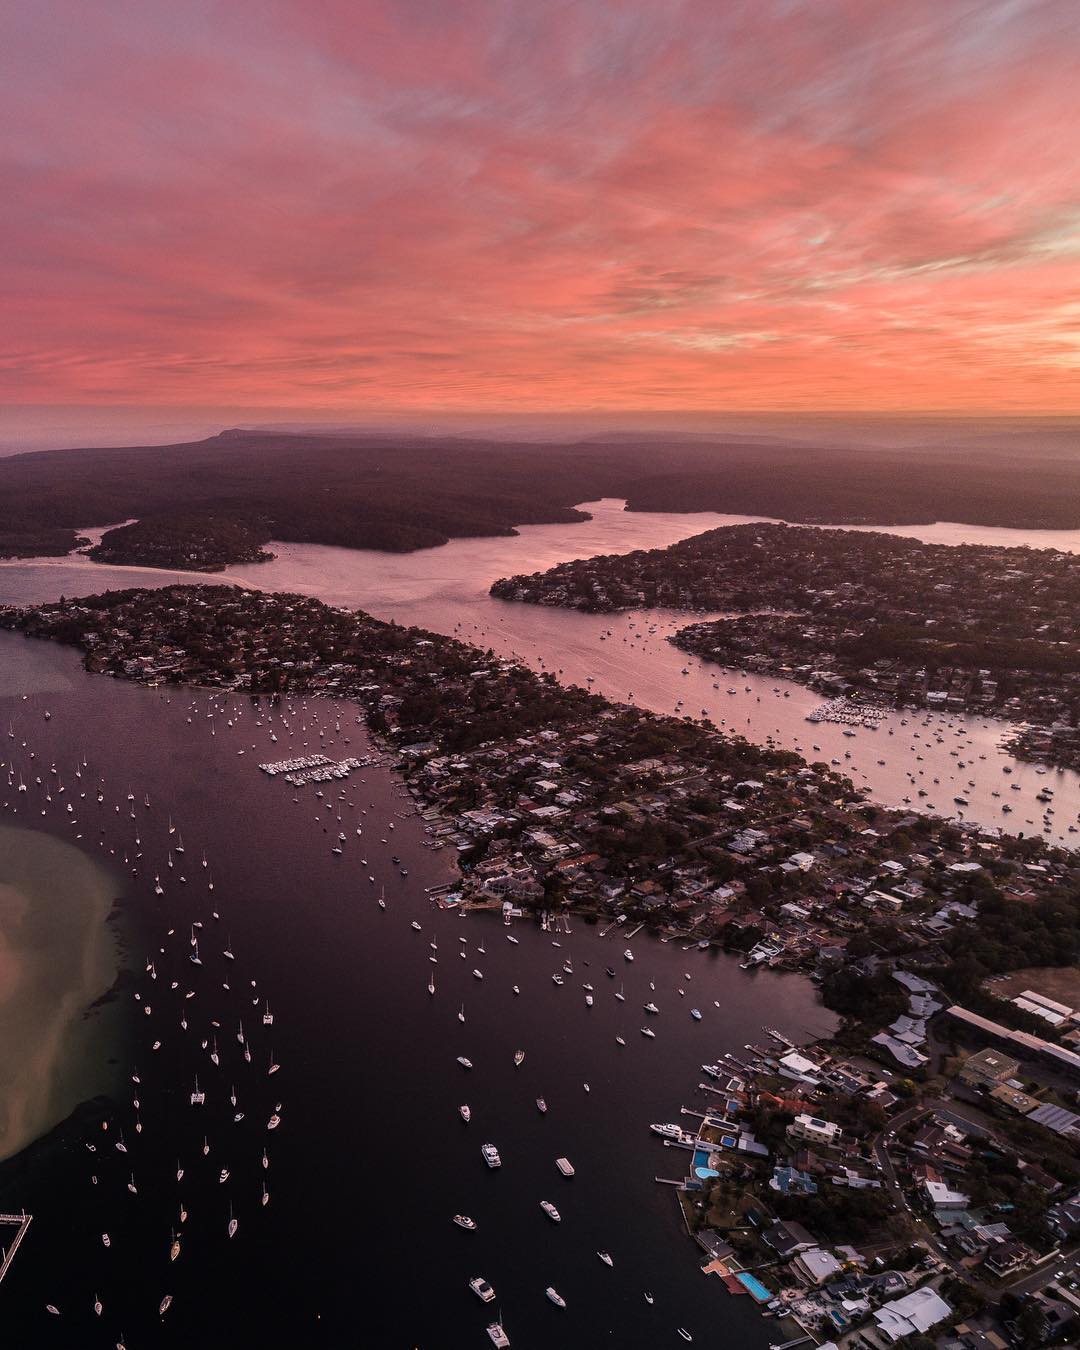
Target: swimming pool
x,y
754,1285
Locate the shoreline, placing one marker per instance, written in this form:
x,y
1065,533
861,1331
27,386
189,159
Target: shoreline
x,y
60,954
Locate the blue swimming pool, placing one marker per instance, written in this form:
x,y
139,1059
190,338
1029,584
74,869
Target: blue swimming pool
x,y
754,1285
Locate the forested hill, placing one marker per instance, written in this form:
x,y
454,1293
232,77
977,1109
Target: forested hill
x,y
206,503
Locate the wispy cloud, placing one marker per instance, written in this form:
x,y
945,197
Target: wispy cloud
x,y
795,203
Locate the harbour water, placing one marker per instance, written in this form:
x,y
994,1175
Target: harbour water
x,y
371,1160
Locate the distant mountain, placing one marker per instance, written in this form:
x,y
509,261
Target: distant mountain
x,y
200,504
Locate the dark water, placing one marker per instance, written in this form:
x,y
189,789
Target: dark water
x,y
356,1246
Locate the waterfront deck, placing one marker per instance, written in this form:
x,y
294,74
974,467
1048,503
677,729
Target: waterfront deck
x,y
21,1222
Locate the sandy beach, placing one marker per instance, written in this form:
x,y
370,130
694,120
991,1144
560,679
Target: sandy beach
x,y
57,955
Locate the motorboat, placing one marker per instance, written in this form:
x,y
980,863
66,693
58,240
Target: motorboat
x,y
556,1298
490,1155
550,1210
565,1166
463,1221
541,1105
465,1063
482,1289
606,1258
465,1112
519,1058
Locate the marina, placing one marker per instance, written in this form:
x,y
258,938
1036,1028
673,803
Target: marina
x,y
305,1145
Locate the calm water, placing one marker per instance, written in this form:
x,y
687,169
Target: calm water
x,y
372,1159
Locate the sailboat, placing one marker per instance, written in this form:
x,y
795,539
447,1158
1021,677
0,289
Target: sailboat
x,y
461,1013
233,1224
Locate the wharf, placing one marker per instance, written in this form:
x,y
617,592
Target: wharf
x,y
22,1222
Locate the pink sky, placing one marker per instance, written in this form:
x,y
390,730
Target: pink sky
x,y
704,204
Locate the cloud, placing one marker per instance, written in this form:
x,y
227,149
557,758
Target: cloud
x,y
785,203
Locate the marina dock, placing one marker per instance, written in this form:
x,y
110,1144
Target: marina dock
x,y
22,1223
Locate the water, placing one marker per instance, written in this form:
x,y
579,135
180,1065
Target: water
x,y
372,1159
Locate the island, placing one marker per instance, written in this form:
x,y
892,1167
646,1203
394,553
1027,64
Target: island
x,y
967,628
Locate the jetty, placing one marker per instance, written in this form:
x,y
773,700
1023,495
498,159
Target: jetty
x,y
21,1222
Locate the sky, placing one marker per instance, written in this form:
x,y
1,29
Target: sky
x,y
353,206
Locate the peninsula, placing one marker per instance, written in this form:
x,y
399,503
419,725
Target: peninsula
x,y
909,624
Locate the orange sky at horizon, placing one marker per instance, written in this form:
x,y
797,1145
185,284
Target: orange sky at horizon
x,y
787,205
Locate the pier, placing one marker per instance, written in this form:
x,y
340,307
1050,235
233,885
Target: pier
x,y
22,1223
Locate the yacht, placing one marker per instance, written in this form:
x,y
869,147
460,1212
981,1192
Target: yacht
x,y
695,1013
491,1155
463,1221
628,954
555,1297
667,1131
482,1289
465,1063
550,1210
651,1008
